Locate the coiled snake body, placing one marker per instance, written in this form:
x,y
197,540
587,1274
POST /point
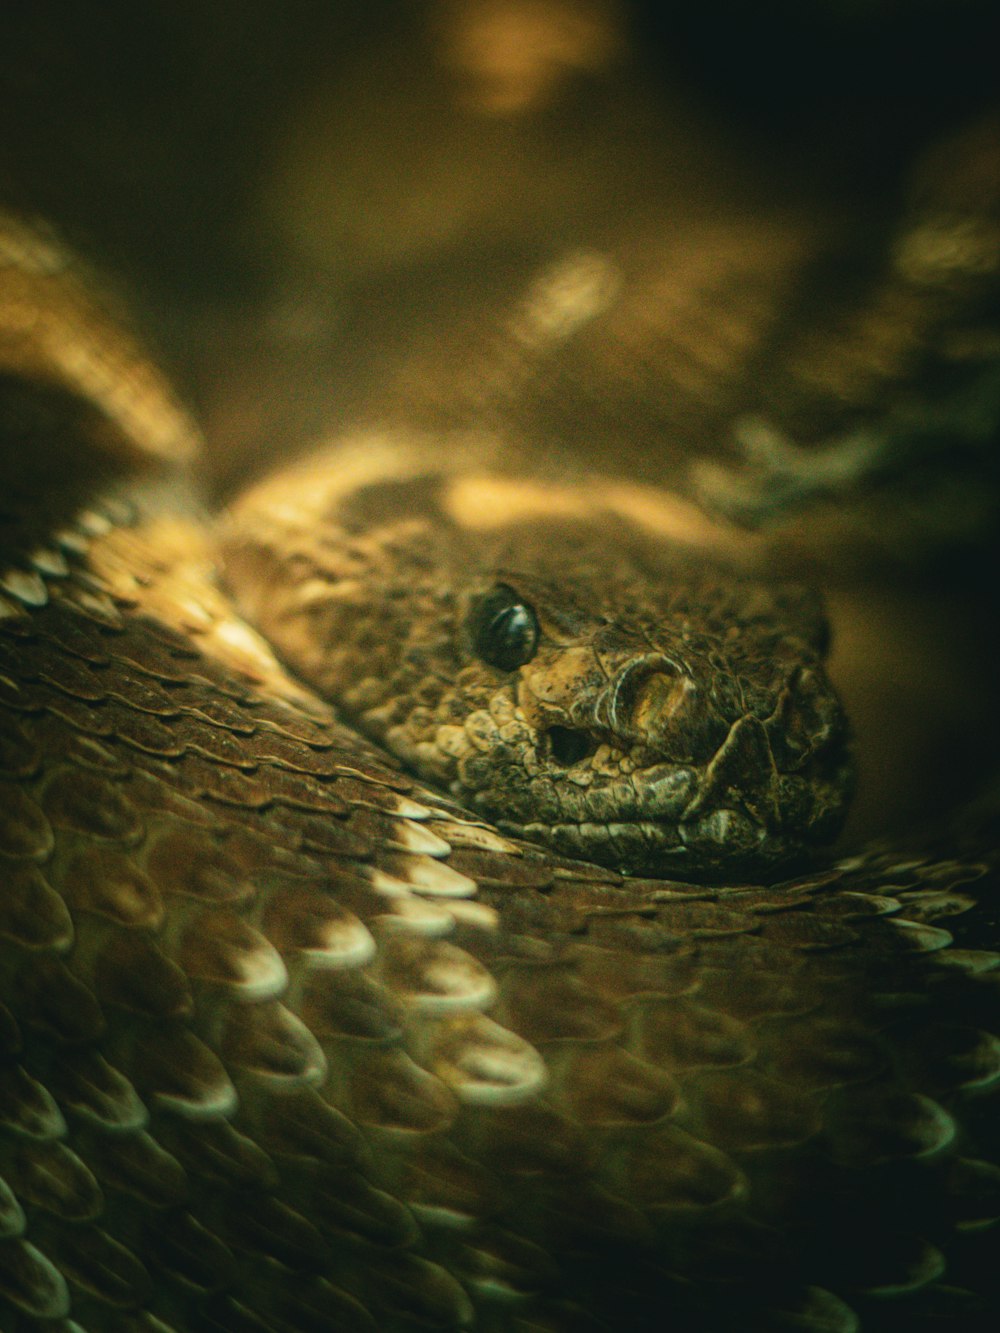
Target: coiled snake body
x,y
294,1041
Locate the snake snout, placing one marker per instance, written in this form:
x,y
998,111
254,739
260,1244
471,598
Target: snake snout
x,y
658,700
655,703
808,720
645,701
644,697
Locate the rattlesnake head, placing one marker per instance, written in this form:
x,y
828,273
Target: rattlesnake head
x,y
562,658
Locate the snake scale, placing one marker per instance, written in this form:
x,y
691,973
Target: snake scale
x,y
299,1034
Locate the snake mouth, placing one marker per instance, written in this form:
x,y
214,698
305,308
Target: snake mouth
x,y
726,841
738,814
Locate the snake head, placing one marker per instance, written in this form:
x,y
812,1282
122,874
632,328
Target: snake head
x,y
672,716
563,671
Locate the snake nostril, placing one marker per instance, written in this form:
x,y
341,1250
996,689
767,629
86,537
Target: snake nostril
x,y
567,746
655,700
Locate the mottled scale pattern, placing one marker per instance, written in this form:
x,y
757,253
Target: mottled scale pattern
x,y
290,1044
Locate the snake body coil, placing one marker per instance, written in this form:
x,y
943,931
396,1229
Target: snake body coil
x,y
291,1041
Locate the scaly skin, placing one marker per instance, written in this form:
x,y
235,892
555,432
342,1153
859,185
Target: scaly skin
x,y
290,1042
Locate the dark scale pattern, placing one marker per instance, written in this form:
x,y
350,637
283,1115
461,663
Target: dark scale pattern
x,y
289,1044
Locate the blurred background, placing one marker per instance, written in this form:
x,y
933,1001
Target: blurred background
x,y
155,128
359,173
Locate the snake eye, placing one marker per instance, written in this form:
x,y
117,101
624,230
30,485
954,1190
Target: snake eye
x,y
503,629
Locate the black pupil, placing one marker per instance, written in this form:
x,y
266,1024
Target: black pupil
x,y
504,629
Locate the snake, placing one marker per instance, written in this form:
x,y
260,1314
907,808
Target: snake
x,y
421,900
